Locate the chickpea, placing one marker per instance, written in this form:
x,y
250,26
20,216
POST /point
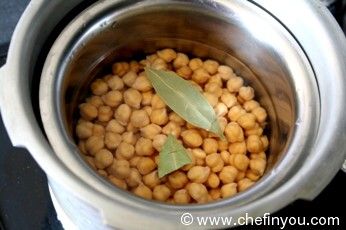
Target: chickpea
x,y
176,118
225,72
120,68
195,63
112,98
134,178
240,176
199,154
159,141
142,84
244,184
217,80
211,66
81,147
143,191
237,148
98,130
139,118
182,197
134,160
99,87
180,61
260,114
193,161
213,180
90,161
167,55
152,58
130,78
129,137
88,111
221,109
147,97
261,155
161,193
200,162
198,192
126,150
235,112
145,165
234,132
94,144
122,114
213,88
215,193
258,166
172,128
215,162
241,162
105,113
84,130
254,144
198,174
134,66
119,168
228,190
115,83
222,145
228,174
234,84
112,140
177,179
115,127
210,145
265,142
211,98
133,98
228,99
159,64
103,158
152,179
157,102
150,131
257,130
247,121
184,72
118,182
225,156
200,76
250,105
247,93
192,138
144,147
159,116
95,101
252,175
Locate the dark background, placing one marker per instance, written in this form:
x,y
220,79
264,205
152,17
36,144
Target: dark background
x,y
24,198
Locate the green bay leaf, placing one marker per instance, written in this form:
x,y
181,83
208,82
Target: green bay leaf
x,y
172,157
184,99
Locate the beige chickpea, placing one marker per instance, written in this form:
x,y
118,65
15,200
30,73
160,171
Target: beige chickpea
x,y
234,132
159,141
134,66
115,83
159,64
244,184
247,93
84,130
198,192
148,109
225,72
213,159
234,84
107,77
221,109
265,142
98,130
90,161
112,140
81,147
256,130
143,191
88,111
210,145
228,174
157,102
198,174
102,173
211,98
260,114
258,166
151,58
216,79
195,63
200,76
103,158
252,175
133,98
134,178
144,147
105,113
228,190
145,165
192,138
213,180
241,162
151,179
119,168
213,88
167,55
180,60
161,193
228,99
126,150
139,119
159,116
177,179
150,131
181,196
129,78
240,176
129,137
185,72
112,98
142,84
95,101
254,144
115,127
222,145
225,155
215,193
118,182
134,160
120,68
176,118
200,162
237,148
147,97
235,112
99,87
93,144
172,128
122,114
211,66
250,105
247,121
261,155
199,154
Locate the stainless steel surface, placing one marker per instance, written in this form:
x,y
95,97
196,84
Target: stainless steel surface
x,y
77,195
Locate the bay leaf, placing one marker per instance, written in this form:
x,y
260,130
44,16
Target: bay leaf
x,y
172,157
184,99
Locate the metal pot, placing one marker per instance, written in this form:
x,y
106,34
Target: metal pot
x,y
296,68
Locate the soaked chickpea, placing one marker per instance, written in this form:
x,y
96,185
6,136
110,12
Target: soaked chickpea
x,y
123,125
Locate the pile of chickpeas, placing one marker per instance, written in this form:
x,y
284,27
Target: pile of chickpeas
x,y
124,124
